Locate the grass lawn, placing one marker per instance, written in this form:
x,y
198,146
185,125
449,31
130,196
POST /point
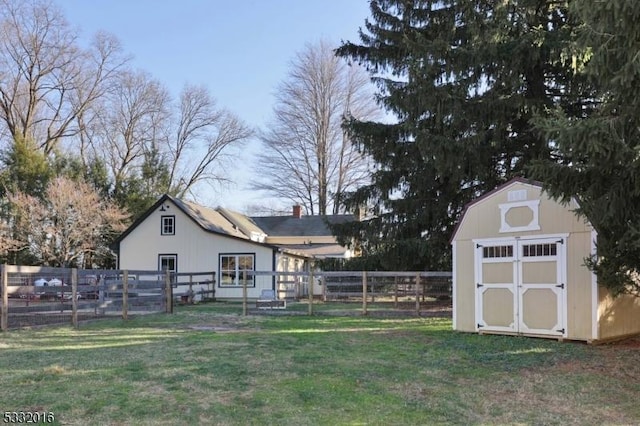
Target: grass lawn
x,y
207,364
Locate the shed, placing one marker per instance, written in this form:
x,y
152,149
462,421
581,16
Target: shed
x,y
519,268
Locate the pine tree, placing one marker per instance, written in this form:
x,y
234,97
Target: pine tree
x,y
139,191
464,79
600,153
25,168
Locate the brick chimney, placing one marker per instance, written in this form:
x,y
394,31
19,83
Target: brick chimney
x,y
297,211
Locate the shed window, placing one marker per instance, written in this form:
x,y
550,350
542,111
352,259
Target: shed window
x,y
534,250
497,251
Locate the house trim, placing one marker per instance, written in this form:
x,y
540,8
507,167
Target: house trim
x,y
161,255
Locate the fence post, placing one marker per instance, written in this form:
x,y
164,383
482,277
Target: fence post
x,y
74,297
418,294
100,290
311,290
190,295
168,291
244,293
373,291
323,283
212,295
395,292
4,314
364,292
125,294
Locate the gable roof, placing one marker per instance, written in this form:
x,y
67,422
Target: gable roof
x,y
206,218
305,226
209,219
232,224
244,223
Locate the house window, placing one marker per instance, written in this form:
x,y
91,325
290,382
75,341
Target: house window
x,y
232,267
168,262
167,225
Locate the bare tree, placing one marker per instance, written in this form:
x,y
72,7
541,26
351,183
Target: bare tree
x,y
205,136
137,121
307,157
130,119
46,79
68,225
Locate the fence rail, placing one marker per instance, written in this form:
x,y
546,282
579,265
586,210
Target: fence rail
x,y
34,295
190,287
43,295
399,288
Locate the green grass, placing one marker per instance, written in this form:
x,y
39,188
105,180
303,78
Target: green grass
x,y
207,364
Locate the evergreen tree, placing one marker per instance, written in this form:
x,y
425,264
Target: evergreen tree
x,y
97,175
155,175
140,190
463,78
600,153
25,168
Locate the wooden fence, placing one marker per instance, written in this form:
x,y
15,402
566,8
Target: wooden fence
x,y
190,287
34,295
366,287
43,295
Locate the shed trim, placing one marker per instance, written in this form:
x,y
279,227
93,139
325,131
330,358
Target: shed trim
x,y
454,281
478,261
594,290
524,237
534,225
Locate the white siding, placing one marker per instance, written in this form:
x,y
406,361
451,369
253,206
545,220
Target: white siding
x,y
197,250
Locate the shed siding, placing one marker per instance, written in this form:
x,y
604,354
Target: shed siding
x,y
578,287
197,250
618,316
483,220
465,287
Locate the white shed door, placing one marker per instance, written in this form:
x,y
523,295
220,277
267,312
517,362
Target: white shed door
x,y
520,286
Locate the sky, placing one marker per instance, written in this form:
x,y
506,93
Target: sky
x,y
239,50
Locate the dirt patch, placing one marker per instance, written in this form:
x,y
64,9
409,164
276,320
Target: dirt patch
x,y
439,309
632,342
219,329
618,361
436,311
223,324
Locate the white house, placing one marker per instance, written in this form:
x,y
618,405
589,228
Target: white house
x,y
184,237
